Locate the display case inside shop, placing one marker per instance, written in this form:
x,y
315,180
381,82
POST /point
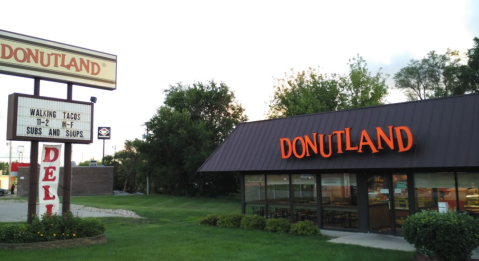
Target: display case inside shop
x,y
472,202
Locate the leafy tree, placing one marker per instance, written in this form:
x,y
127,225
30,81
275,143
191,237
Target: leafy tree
x,y
306,92
422,79
312,92
4,167
440,75
185,131
463,78
129,165
362,88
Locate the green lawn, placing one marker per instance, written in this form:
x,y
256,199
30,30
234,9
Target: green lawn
x,y
170,232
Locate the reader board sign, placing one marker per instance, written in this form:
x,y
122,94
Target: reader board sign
x,y
104,133
48,180
34,57
49,119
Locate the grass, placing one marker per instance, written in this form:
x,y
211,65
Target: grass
x,y
170,231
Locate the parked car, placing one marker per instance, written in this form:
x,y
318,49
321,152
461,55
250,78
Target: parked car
x,y
3,192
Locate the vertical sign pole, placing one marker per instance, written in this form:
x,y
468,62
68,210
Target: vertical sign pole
x,y
103,152
67,170
33,188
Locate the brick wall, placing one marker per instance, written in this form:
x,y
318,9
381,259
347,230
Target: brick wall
x,y
86,181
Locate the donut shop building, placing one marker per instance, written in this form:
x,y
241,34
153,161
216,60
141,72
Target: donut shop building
x,y
362,170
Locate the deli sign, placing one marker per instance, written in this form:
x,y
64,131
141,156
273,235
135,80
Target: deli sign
x,y
48,200
305,146
33,57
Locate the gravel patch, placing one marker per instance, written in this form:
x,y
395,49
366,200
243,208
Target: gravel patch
x,y
121,212
16,210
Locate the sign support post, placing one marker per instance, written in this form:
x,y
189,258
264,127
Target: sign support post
x,y
34,118
33,188
67,174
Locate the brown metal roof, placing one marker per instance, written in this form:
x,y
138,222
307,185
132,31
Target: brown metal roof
x,y
445,131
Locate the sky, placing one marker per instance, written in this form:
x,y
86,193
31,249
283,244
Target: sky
x,y
245,44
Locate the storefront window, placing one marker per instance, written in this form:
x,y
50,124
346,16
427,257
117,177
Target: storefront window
x,y
346,218
468,186
432,188
302,213
278,211
255,209
278,189
254,188
339,189
304,189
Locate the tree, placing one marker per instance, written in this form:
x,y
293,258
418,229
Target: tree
x,y
185,131
363,89
422,79
129,165
4,168
306,92
440,75
463,78
312,92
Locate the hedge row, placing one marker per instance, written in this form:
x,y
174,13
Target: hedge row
x,y
254,222
51,228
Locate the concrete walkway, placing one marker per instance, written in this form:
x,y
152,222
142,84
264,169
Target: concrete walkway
x,y
375,240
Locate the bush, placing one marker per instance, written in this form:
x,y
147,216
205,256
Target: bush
x,y
444,236
90,227
13,234
230,220
280,225
50,228
305,228
209,220
253,222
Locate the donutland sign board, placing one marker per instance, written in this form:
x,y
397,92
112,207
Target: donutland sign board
x,y
34,57
49,119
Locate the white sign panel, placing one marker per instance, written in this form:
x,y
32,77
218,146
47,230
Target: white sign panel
x,y
47,119
48,180
34,57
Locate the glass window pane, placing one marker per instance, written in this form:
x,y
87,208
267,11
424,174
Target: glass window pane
x,y
468,185
255,209
432,188
254,188
339,189
278,211
302,213
278,189
304,189
340,218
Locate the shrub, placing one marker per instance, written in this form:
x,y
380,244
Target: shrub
x,y
12,234
90,227
253,222
209,220
230,220
50,228
305,228
280,225
445,236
